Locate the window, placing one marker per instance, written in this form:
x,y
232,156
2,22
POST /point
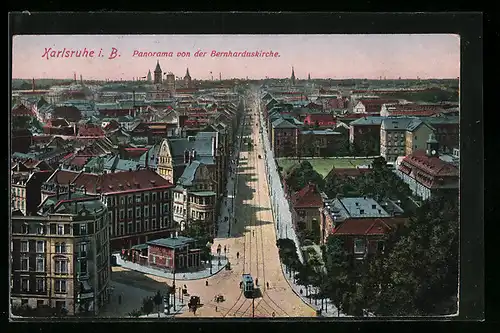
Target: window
x,y
60,287
40,263
82,249
40,246
60,229
41,229
83,228
40,286
25,264
25,246
25,284
61,267
359,246
61,247
380,246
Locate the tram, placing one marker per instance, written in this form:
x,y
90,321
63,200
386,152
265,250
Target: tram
x,y
247,285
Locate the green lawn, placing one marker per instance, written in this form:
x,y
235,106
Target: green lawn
x,y
324,165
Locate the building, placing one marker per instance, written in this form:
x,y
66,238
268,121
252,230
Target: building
x,y
176,253
187,80
138,202
306,204
170,83
364,135
284,138
447,132
336,212
321,143
158,74
25,188
393,137
176,154
366,237
372,106
426,174
60,257
417,133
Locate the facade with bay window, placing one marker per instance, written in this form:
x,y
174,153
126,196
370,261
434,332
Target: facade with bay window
x,y
60,256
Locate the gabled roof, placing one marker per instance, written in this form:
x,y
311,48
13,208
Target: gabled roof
x,y
282,123
308,197
189,174
431,165
366,227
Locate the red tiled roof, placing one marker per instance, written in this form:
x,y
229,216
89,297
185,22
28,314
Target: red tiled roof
x,y
421,113
431,165
364,227
308,197
90,130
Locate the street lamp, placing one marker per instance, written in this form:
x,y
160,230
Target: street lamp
x,y
209,246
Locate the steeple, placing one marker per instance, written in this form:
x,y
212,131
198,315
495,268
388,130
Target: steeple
x,y
158,68
158,73
432,146
293,77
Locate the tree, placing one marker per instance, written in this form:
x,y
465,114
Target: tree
x,y
302,175
419,272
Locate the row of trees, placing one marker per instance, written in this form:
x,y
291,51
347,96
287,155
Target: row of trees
x,y
417,274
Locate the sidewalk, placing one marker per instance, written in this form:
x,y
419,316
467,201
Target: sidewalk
x,y
228,205
181,276
329,309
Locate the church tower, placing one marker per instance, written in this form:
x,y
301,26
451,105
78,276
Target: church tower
x,y
292,78
158,73
432,149
149,78
187,79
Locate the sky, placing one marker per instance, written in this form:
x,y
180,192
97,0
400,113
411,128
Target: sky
x,y
321,56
